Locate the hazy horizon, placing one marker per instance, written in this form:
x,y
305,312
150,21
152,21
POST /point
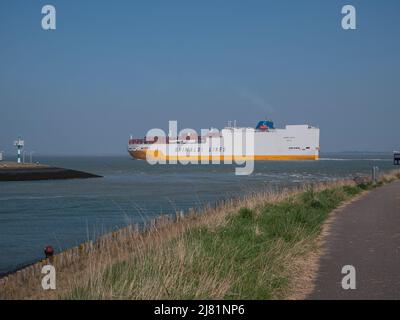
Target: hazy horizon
x,y
12,156
112,69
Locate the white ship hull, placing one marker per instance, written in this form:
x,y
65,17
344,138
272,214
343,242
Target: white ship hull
x,y
294,142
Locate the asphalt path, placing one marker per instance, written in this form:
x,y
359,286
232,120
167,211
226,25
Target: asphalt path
x,y
365,234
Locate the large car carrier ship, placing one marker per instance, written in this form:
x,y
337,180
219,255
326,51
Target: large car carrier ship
x,y
293,142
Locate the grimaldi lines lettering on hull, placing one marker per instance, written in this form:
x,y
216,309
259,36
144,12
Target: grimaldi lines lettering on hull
x,y
265,142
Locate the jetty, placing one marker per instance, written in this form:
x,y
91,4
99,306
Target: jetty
x,y
13,171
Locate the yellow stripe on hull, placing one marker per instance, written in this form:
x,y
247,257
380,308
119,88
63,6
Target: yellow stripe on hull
x,y
153,155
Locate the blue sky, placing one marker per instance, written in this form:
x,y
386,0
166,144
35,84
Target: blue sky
x,y
114,68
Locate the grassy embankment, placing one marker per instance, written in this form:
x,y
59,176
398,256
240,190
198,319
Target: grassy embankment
x,y
254,251
257,247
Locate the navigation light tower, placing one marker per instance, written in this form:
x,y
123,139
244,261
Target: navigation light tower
x,y
19,143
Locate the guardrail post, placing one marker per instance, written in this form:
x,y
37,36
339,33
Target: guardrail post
x,y
375,171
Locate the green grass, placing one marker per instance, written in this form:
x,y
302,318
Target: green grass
x,y
250,256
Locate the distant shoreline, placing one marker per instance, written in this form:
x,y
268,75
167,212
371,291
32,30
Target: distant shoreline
x,y
123,154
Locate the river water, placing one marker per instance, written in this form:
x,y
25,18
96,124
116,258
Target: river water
x,y
64,213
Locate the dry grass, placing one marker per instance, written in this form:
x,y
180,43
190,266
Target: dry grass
x,y
193,258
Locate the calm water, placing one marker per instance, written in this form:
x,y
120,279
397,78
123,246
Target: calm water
x,y
66,212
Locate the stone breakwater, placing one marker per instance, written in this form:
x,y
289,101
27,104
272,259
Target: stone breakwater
x,y
26,171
